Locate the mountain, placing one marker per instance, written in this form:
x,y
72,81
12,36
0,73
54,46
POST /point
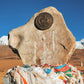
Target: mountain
x,y
4,40
77,59
79,44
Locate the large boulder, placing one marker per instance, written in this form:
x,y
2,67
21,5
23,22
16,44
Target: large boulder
x,y
44,39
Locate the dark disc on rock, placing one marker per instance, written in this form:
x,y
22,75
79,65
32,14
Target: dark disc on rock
x,y
43,21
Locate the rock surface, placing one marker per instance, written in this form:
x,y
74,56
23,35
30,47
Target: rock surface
x,y
44,39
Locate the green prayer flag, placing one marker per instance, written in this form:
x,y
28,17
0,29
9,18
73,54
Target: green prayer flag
x,y
70,75
67,71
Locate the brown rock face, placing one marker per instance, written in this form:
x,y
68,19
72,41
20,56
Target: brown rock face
x,y
78,58
44,39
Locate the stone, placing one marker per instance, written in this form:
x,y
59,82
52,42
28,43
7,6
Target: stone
x,y
44,39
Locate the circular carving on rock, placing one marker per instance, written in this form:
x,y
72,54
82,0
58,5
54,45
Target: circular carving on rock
x,y
43,21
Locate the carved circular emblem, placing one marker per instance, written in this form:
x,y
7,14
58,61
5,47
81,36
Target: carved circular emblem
x,y
43,21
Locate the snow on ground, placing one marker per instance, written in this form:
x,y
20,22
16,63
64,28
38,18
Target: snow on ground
x,y
4,40
80,44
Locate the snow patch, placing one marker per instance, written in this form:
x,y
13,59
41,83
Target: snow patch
x,y
80,44
4,40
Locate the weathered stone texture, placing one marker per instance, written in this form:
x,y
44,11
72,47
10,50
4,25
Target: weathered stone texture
x,y
46,44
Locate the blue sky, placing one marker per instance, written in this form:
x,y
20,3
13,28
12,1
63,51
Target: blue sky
x,y
15,13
